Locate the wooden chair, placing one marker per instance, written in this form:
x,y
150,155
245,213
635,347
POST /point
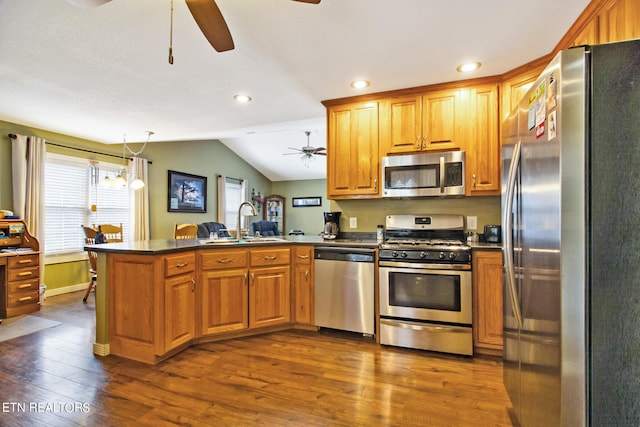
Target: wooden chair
x,y
185,231
90,239
112,233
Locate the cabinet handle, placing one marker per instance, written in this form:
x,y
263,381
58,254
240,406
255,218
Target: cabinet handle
x,y
25,273
303,256
253,276
375,184
25,261
270,257
193,284
181,264
26,285
224,260
23,299
306,274
418,143
474,180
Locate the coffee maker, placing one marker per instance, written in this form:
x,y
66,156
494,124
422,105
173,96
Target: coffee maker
x,y
331,225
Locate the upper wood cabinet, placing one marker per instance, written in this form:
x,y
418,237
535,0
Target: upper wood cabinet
x,y
420,122
483,143
606,21
618,20
352,151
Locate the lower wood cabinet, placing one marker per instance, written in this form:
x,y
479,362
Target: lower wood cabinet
x,y
179,299
303,290
224,300
487,302
244,289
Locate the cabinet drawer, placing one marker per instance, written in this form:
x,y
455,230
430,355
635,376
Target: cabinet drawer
x,y
179,264
23,298
22,273
23,261
303,254
216,260
264,257
23,286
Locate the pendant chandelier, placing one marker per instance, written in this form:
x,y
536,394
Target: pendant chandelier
x,y
122,177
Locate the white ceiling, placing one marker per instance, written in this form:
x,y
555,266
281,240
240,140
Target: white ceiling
x,y
101,73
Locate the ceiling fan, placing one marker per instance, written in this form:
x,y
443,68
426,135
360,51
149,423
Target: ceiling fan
x,y
308,152
206,14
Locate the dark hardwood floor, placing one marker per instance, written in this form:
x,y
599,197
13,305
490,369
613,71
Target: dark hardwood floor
x,y
294,378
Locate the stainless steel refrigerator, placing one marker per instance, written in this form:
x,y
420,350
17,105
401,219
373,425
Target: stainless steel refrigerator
x,y
571,235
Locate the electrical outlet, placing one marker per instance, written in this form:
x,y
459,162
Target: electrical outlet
x,y
472,223
353,222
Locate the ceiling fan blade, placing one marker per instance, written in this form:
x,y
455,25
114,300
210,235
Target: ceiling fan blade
x,y
320,149
212,24
320,154
308,1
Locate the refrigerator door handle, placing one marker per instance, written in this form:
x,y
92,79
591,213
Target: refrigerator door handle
x,y
507,232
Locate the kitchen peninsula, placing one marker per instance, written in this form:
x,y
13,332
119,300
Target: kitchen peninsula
x,y
155,298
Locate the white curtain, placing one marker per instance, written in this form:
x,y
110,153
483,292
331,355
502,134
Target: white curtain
x,y
222,199
27,163
28,157
139,212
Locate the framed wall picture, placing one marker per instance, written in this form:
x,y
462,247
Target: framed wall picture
x,y
187,193
302,202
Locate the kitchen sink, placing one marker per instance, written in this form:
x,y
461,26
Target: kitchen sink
x,y
219,241
263,240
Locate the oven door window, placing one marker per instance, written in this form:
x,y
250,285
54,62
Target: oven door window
x,y
428,291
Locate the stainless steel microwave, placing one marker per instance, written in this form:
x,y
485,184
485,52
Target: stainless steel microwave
x,y
420,175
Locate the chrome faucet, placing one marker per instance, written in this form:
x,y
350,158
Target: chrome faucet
x,y
253,213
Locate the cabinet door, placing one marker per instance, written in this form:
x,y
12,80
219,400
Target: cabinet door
x,y
487,298
179,301
303,290
440,120
352,151
400,128
225,301
483,152
619,20
269,296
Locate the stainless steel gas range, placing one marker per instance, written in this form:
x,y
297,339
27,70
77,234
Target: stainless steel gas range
x,y
425,284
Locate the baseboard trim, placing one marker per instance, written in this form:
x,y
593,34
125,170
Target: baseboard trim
x,y
66,289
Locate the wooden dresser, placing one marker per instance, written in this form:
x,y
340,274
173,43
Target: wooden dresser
x,y
19,269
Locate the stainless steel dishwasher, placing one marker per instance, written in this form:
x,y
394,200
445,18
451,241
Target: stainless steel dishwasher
x,y
344,289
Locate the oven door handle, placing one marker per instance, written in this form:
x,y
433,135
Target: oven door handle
x,y
425,266
425,327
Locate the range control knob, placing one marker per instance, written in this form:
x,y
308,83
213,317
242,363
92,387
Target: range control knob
x,y
394,254
423,254
403,255
441,255
452,255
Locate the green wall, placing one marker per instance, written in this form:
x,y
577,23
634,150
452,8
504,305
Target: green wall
x,y
206,158
307,219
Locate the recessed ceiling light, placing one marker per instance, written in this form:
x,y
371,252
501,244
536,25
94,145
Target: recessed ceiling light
x,y
468,67
360,84
242,98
